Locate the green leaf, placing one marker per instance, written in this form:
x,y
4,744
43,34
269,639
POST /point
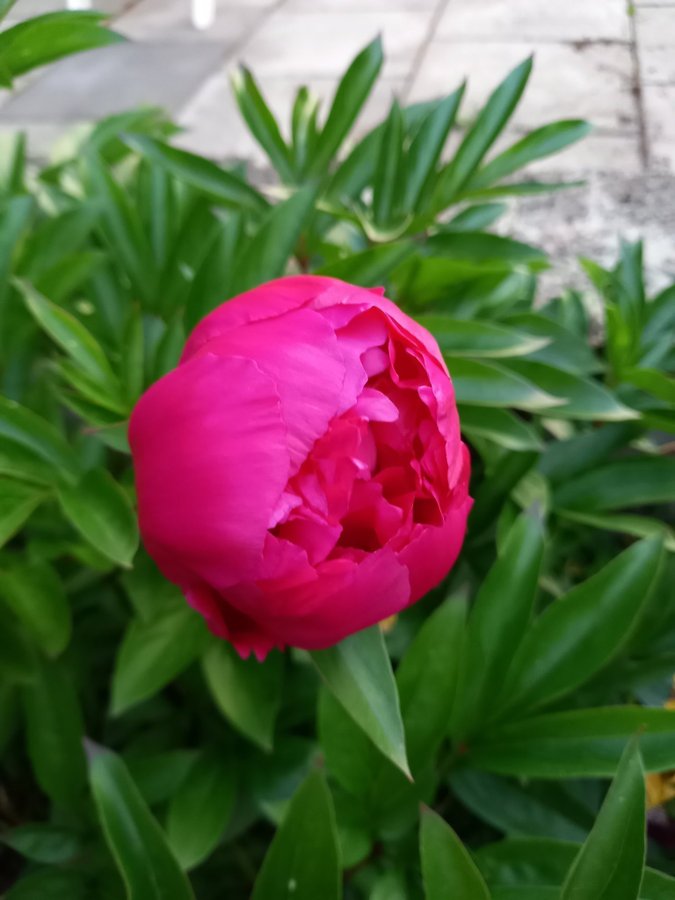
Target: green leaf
x,y
153,653
266,254
16,658
544,861
482,247
578,634
463,337
50,884
19,462
358,673
497,622
247,692
543,808
426,148
71,335
537,144
387,170
482,134
224,187
637,481
122,228
304,128
201,808
370,267
564,349
261,122
15,213
656,383
583,398
350,95
479,383
98,509
43,39
610,863
302,862
477,217
636,526
577,743
427,680
43,843
447,867
137,843
35,594
17,502
499,426
55,731
565,459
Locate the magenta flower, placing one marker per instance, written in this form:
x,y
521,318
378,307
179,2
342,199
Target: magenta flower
x,y
301,474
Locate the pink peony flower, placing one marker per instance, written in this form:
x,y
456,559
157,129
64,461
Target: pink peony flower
x,y
301,474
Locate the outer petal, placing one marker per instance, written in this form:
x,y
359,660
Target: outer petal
x,y
341,597
211,459
265,302
300,352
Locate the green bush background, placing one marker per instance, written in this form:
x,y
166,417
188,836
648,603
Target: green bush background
x,y
134,746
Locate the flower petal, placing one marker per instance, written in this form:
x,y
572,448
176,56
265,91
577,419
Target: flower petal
x,y
211,459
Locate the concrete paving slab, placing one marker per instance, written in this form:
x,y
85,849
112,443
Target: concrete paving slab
x,y
116,78
303,45
655,31
573,20
170,20
591,81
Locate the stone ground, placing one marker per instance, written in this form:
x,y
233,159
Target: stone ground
x,y
605,60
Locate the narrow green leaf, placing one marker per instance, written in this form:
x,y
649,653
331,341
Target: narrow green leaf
x,y
16,663
536,145
36,595
350,95
137,843
43,843
43,39
543,808
225,187
426,148
17,502
544,861
638,481
577,743
463,337
201,808
247,692
479,383
15,213
584,398
610,863
153,653
578,634
386,182
497,622
261,122
447,867
304,128
427,680
499,426
267,253
636,526
482,247
477,217
303,862
371,267
99,510
358,673
70,334
482,134
54,733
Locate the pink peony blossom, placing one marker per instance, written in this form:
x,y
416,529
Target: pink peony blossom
x,y
301,474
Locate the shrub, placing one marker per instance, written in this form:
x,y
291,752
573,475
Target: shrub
x,y
135,746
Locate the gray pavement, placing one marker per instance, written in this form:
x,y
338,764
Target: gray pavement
x,y
610,61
